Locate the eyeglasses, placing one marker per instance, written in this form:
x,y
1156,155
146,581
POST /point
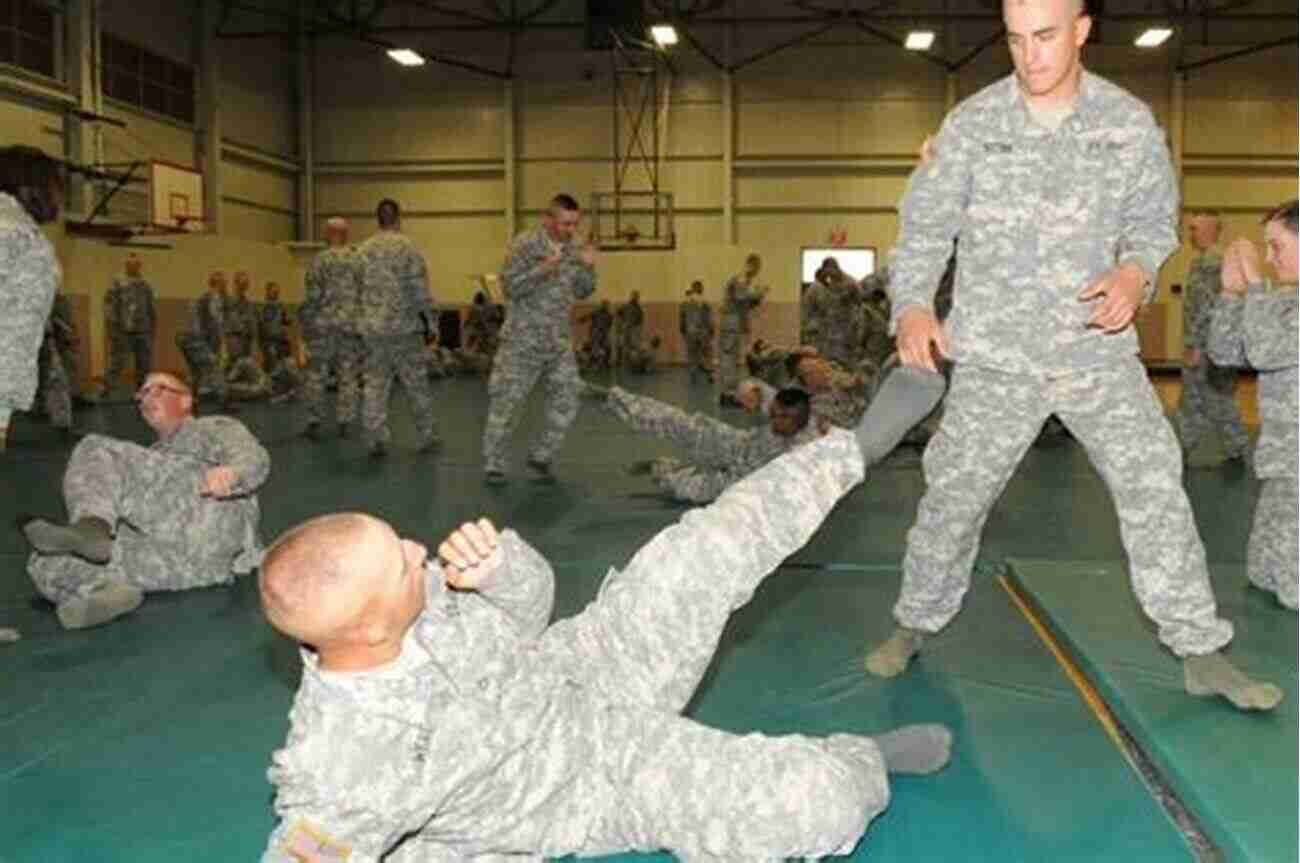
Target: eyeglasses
x,y
154,389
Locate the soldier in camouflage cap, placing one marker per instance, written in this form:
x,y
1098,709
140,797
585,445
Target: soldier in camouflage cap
x,y
545,271
440,718
1060,186
740,296
696,327
200,341
133,320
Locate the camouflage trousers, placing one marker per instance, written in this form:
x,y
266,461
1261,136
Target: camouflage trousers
x,y
167,537
731,348
401,355
990,419
136,346
343,352
697,356
629,345
638,653
515,372
1271,554
1208,402
55,392
274,352
205,366
689,483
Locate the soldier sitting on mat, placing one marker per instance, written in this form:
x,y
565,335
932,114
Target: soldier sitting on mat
x,y
179,514
440,718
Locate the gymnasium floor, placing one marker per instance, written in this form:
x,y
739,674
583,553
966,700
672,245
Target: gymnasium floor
x,y
148,740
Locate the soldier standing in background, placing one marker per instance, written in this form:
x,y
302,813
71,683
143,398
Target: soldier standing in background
x,y
136,319
200,341
602,322
740,296
631,323
544,272
397,322
241,320
330,316
696,325
273,329
1207,399
66,340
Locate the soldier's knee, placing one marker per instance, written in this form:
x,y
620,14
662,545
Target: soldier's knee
x,y
838,801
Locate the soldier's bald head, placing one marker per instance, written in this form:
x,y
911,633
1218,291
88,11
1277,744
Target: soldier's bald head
x,y
305,574
1074,7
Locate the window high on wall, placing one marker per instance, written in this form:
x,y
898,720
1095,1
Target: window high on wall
x,y
27,36
142,78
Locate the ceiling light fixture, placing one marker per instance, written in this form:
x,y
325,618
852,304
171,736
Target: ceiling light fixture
x,y
406,57
1153,37
919,40
664,35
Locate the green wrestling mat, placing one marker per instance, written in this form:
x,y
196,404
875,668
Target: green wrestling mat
x,y
1235,772
148,740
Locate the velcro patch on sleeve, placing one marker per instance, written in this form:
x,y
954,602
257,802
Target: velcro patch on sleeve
x,y
307,843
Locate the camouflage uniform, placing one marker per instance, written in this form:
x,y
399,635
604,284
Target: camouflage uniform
x,y
246,381
396,312
810,325
602,322
1260,330
29,277
838,310
841,403
65,339
200,343
1207,399
535,343
241,327
877,343
494,734
1041,216
718,455
134,321
481,329
167,536
696,325
273,332
117,345
739,299
631,323
329,317
55,395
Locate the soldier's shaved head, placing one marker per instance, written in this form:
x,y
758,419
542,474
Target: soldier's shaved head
x,y
305,574
1074,7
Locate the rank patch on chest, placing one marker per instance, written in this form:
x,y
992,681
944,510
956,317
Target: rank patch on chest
x,y
306,843
997,147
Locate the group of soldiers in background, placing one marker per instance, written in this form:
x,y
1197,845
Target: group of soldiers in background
x,y
616,338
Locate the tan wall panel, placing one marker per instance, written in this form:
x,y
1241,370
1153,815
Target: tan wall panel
x,y
259,184
563,131
1241,127
540,181
146,137
840,74
355,194
257,225
379,132
1257,191
818,188
1267,75
695,129
257,96
30,126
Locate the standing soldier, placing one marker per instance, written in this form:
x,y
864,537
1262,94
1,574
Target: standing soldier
x,y
1207,400
200,341
544,272
1049,279
697,331
837,308
117,347
740,296
65,339
478,325
135,321
31,191
55,396
397,322
273,329
602,322
241,320
329,317
631,322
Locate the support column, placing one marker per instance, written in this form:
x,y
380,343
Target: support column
x,y
306,120
728,159
508,159
80,137
208,132
1178,124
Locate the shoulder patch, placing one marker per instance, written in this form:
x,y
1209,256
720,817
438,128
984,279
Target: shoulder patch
x,y
307,843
